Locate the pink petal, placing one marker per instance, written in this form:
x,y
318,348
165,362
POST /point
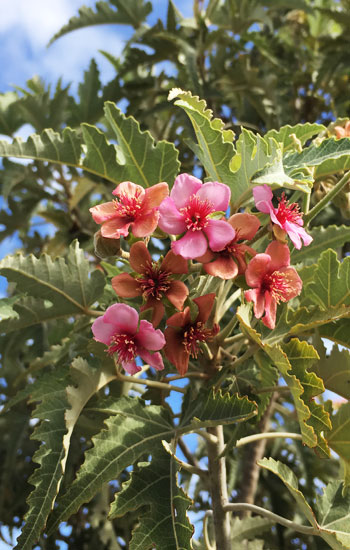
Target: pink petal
x,y
148,337
171,220
279,254
103,212
269,319
245,225
115,228
123,317
131,367
257,268
130,189
293,231
296,284
263,198
144,225
184,187
103,331
258,299
155,195
219,234
153,359
191,245
218,194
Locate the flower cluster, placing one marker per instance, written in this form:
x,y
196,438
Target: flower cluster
x,y
193,214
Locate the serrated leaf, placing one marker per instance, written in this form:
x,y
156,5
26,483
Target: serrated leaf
x,y
10,116
144,162
337,332
211,409
290,136
333,510
332,236
165,524
6,309
215,148
338,438
67,285
331,282
330,150
335,371
128,12
268,376
90,103
59,410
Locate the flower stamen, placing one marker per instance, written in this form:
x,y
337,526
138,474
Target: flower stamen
x,y
124,345
288,212
196,213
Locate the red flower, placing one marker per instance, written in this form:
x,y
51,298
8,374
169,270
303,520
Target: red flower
x,y
231,261
183,336
136,207
155,281
272,281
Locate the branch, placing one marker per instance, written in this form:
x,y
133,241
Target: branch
x,y
267,435
150,383
239,506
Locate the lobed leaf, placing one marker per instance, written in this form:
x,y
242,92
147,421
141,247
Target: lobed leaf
x,y
293,136
332,236
330,150
338,438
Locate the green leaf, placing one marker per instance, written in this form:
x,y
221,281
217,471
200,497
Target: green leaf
x,y
215,145
337,332
333,510
331,282
165,524
330,150
211,409
248,528
338,438
291,136
128,12
10,116
59,410
90,103
335,371
67,285
6,309
332,236
144,162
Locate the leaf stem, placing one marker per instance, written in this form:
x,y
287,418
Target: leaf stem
x,y
207,542
267,435
149,383
239,506
325,200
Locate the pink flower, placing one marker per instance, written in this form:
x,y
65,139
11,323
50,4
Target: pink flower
x,y
231,261
136,207
189,210
272,281
286,216
342,131
119,329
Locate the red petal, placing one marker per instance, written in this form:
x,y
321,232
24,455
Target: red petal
x,y
280,256
144,225
130,189
180,319
139,257
125,286
175,351
103,212
257,268
158,310
205,305
174,263
115,228
223,267
177,294
245,225
155,195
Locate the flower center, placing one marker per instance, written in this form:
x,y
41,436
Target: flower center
x,y
288,212
124,346
194,334
279,286
196,213
154,282
128,206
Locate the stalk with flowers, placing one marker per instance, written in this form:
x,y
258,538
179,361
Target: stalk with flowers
x,y
215,290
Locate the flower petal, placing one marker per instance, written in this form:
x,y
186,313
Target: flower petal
x,y
279,254
103,212
179,319
175,350
218,194
174,264
219,234
144,225
130,367
171,220
177,294
257,268
148,337
139,257
158,310
205,305
191,245
126,286
115,228
130,189
123,317
269,318
184,187
295,282
263,198
245,225
223,267
103,331
254,295
153,359
155,195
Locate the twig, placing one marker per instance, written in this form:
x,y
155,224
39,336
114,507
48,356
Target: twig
x,y
240,506
207,542
267,435
149,383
